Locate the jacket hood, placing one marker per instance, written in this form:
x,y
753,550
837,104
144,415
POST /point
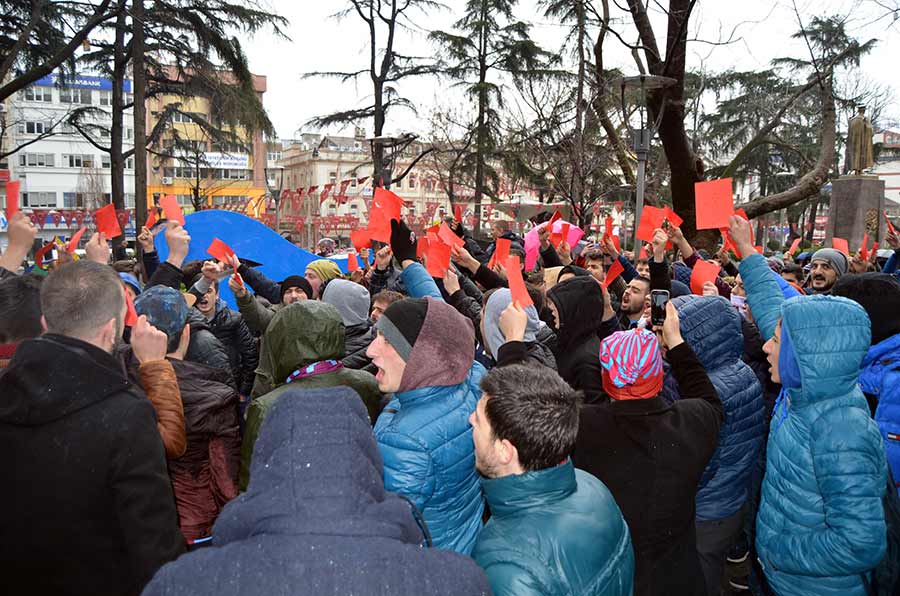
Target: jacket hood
x,y
579,301
490,318
444,349
350,299
829,337
316,470
52,376
301,333
712,327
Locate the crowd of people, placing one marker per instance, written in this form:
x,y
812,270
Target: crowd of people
x,y
392,432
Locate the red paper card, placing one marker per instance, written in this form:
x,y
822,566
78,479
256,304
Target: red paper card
x,y
388,203
516,283
565,231
131,316
352,262
12,199
151,218
608,227
864,250
360,240
875,247
794,246
714,203
107,222
841,245
759,248
457,213
72,244
237,277
703,272
220,251
673,218
890,226
437,258
421,247
448,237
556,238
617,243
643,253
556,215
501,250
172,209
651,219
614,271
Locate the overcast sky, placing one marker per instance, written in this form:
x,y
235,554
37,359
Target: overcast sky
x,y
761,28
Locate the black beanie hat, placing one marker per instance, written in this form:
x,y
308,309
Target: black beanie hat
x,y
296,281
401,323
879,295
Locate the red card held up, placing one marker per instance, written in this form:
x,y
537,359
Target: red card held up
x,y
437,259
352,262
448,237
360,240
556,215
673,218
131,316
841,245
863,249
643,253
703,272
12,199
614,271
565,231
794,246
72,245
651,219
608,226
617,243
714,203
501,250
890,226
556,238
457,213
759,248
172,209
516,283
388,203
421,247
220,251
151,218
107,222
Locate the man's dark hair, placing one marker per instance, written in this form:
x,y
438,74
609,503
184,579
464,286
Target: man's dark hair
x,y
125,266
642,262
595,255
502,225
643,279
20,308
535,410
80,297
793,268
388,297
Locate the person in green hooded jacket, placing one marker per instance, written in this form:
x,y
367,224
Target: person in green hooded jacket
x,y
302,347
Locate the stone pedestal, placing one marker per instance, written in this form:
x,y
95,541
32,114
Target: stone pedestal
x,y
854,201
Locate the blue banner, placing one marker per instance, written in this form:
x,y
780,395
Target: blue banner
x,y
83,82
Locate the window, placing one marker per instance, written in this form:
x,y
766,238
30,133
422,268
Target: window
x,y
331,209
129,163
44,94
273,156
39,199
186,117
78,161
34,128
332,177
106,98
105,161
354,209
127,98
412,211
184,200
412,181
129,133
43,160
229,148
429,185
129,200
103,132
353,182
73,200
82,96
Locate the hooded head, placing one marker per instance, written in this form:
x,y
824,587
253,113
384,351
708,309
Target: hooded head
x,y
350,299
422,342
879,295
632,364
319,273
712,327
490,321
316,470
299,334
578,304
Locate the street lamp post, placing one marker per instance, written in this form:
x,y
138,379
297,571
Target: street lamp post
x,y
275,192
642,136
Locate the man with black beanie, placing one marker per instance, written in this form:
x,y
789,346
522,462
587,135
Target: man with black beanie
x,y
879,378
258,314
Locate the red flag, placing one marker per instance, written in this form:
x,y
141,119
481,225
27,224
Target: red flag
x,y
220,251
12,199
72,244
326,190
714,203
352,262
516,284
703,272
614,271
172,209
107,222
362,180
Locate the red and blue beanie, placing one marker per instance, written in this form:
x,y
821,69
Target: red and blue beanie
x,y
632,365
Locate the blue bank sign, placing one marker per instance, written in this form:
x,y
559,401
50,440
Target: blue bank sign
x,y
82,82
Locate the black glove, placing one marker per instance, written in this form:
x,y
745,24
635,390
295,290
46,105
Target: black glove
x,y
403,242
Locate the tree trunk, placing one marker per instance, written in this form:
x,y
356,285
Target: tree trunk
x,y
116,159
480,130
139,88
578,197
377,148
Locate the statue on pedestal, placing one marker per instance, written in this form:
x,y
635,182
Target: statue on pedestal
x,y
859,143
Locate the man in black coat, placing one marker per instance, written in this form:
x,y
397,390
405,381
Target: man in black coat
x,y
90,510
651,456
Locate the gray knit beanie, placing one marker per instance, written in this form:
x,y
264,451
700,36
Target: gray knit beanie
x,y
835,258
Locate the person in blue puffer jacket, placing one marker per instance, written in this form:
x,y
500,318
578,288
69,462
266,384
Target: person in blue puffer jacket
x,y
424,351
712,328
821,526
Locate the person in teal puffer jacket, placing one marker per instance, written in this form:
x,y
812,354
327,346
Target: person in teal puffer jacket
x,y
554,530
424,351
820,527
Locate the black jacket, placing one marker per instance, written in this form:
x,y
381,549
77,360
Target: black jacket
x,y
651,456
489,252
90,510
243,355
356,341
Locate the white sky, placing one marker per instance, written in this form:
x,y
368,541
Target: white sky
x,y
320,43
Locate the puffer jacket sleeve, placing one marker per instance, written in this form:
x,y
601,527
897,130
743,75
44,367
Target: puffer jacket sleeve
x,y
628,270
408,468
763,294
159,383
849,464
151,262
510,577
249,353
419,284
261,284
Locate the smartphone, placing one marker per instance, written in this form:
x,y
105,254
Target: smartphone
x,y
658,300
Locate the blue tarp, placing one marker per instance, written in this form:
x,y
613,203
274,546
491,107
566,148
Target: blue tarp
x,y
249,239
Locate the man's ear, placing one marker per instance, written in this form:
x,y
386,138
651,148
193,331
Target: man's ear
x,y
507,452
185,340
